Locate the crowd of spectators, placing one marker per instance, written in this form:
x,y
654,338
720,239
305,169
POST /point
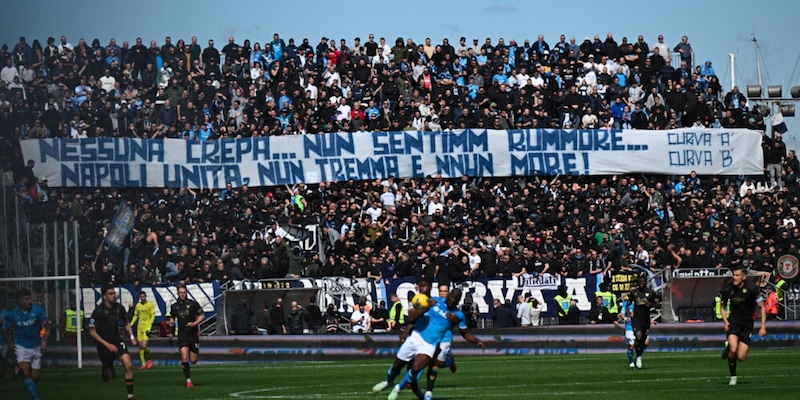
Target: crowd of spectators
x,y
447,229
181,90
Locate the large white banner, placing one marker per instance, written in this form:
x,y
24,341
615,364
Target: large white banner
x,y
269,161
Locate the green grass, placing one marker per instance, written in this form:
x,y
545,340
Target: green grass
x,y
767,374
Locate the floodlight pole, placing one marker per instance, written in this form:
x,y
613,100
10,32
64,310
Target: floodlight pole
x,y
758,63
733,69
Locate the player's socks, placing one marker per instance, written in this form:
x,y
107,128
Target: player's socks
x,y
732,366
449,361
186,370
129,386
391,375
30,385
108,373
432,374
414,383
147,354
630,355
725,351
142,357
406,380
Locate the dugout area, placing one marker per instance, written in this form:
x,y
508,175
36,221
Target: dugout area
x,y
256,298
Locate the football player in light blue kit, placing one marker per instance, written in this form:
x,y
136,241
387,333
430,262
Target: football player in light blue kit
x,y
626,315
423,287
444,355
22,327
419,348
6,361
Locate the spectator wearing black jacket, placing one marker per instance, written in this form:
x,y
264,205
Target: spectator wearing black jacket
x,y
241,323
599,313
503,316
295,318
278,326
313,316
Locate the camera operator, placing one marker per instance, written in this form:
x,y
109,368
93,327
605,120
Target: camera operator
x,y
470,310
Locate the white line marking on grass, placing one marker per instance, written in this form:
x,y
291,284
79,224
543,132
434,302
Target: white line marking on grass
x,y
255,393
463,391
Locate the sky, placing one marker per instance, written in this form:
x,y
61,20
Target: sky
x,y
714,27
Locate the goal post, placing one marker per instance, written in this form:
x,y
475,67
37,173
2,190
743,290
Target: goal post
x,y
75,279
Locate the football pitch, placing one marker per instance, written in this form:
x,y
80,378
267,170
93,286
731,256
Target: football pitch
x,y
767,374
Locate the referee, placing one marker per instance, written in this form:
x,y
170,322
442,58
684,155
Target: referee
x,y
743,297
104,329
188,315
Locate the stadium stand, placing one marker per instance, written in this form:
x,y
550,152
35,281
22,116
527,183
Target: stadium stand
x,y
391,228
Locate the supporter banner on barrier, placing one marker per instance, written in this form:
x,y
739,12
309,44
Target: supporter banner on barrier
x,y
205,294
345,293
270,161
544,281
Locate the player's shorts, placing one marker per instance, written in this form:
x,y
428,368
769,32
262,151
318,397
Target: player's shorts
x,y
414,345
641,326
192,342
743,332
107,357
629,336
445,351
26,355
143,334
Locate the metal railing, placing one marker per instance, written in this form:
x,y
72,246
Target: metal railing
x,y
209,325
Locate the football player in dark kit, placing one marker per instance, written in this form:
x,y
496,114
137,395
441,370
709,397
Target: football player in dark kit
x,y
644,299
188,315
743,297
104,329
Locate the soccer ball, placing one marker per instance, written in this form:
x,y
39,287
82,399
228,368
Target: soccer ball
x,y
420,301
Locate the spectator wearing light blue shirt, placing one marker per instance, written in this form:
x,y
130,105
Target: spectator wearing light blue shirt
x,y
278,47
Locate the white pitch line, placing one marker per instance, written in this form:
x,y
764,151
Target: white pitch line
x,y
463,391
